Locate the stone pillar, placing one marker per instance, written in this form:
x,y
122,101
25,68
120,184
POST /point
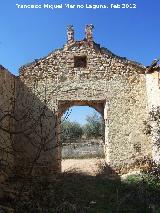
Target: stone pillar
x,y
107,148
89,33
70,34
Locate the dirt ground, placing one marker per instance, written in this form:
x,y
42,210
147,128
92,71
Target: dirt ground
x,y
88,166
91,166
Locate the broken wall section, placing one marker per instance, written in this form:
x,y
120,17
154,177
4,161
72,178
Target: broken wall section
x,y
7,95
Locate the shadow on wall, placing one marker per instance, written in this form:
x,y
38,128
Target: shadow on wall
x,y
29,128
38,127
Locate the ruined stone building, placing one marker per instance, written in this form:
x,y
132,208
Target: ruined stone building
x,y
81,73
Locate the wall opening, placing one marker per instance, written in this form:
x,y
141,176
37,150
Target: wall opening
x,y
80,61
82,136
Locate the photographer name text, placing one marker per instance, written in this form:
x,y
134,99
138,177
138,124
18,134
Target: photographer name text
x,y
77,6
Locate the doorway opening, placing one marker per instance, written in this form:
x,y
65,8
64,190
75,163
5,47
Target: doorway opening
x,y
82,138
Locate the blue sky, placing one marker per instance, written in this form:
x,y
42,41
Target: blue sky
x,y
79,114
28,34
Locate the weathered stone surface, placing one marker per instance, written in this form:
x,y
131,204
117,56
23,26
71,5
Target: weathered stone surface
x,y
153,97
7,94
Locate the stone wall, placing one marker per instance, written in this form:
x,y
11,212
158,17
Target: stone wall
x,y
111,84
7,94
126,113
83,148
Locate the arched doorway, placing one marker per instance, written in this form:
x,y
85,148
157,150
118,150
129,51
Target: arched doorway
x,y
98,105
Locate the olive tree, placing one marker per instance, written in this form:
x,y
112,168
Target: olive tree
x,y
70,131
94,126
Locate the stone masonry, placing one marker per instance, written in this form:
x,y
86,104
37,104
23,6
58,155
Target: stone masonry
x,y
7,94
81,73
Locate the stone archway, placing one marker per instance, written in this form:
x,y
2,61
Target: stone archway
x,y
64,105
96,104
